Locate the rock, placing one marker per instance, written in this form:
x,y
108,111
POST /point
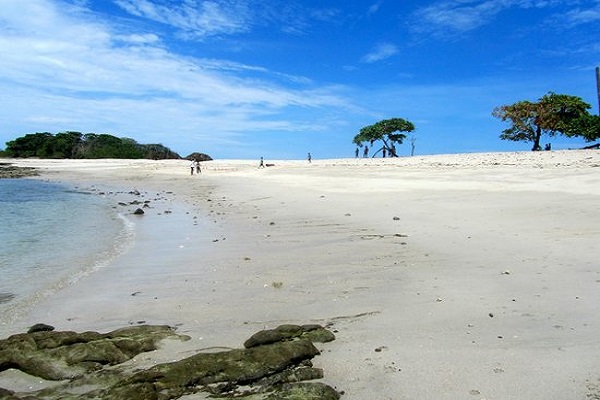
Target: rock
x,y
8,395
235,367
40,328
66,355
314,333
199,157
138,211
274,370
8,170
305,391
6,297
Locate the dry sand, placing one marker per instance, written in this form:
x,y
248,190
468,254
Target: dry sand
x,y
473,276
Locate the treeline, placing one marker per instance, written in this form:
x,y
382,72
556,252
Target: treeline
x,y
79,145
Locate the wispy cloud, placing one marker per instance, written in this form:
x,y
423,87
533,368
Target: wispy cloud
x,y
450,17
580,16
64,63
373,8
197,18
381,52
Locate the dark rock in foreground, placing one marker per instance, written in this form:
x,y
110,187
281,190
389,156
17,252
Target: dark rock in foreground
x,y
268,369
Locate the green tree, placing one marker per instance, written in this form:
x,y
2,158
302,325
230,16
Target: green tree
x,y
388,131
77,145
66,144
551,115
30,145
587,127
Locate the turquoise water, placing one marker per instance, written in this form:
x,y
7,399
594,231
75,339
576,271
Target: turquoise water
x,y
51,235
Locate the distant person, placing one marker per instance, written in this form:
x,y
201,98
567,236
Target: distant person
x,y
309,158
356,153
197,166
262,163
548,147
192,167
384,152
366,151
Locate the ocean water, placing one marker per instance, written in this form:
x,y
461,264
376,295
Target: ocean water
x,y
52,235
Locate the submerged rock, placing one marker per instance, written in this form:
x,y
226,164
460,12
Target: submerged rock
x,y
267,369
8,170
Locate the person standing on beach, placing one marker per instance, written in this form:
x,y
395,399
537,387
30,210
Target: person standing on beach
x,y
356,153
197,166
366,152
262,163
309,158
192,166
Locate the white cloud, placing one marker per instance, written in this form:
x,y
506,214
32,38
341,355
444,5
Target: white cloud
x,y
195,17
63,69
583,16
381,52
373,8
458,16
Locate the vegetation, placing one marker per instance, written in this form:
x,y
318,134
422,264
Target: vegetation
x,y
587,127
79,145
553,114
388,131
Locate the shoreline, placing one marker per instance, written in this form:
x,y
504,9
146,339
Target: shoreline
x,y
451,276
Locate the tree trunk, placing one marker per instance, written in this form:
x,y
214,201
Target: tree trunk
x,y
536,141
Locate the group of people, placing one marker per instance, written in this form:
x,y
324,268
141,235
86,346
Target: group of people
x,y
195,166
384,152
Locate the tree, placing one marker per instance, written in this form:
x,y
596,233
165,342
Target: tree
x,y
587,127
30,145
386,132
90,145
553,114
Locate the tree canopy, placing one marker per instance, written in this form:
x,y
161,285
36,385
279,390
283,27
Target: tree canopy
x,y
78,145
551,115
388,131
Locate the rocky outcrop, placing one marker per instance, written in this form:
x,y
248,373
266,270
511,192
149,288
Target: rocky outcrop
x,y
199,157
276,364
67,355
8,170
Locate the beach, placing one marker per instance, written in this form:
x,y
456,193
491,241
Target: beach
x,y
463,276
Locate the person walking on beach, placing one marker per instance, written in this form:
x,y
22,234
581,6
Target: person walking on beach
x,y
262,163
366,152
197,167
192,167
309,158
356,153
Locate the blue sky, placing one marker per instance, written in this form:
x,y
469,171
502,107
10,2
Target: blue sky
x,y
280,78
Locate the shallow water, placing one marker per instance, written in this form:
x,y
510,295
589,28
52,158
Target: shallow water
x,y
51,236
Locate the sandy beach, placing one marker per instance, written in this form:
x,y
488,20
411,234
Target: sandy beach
x,y
467,276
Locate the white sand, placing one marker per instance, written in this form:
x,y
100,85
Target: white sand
x,y
471,276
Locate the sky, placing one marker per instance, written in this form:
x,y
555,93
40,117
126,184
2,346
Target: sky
x,y
241,79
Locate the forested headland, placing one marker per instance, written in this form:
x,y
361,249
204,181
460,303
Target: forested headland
x,y
79,145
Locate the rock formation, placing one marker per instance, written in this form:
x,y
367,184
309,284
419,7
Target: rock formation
x,y
275,364
10,171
